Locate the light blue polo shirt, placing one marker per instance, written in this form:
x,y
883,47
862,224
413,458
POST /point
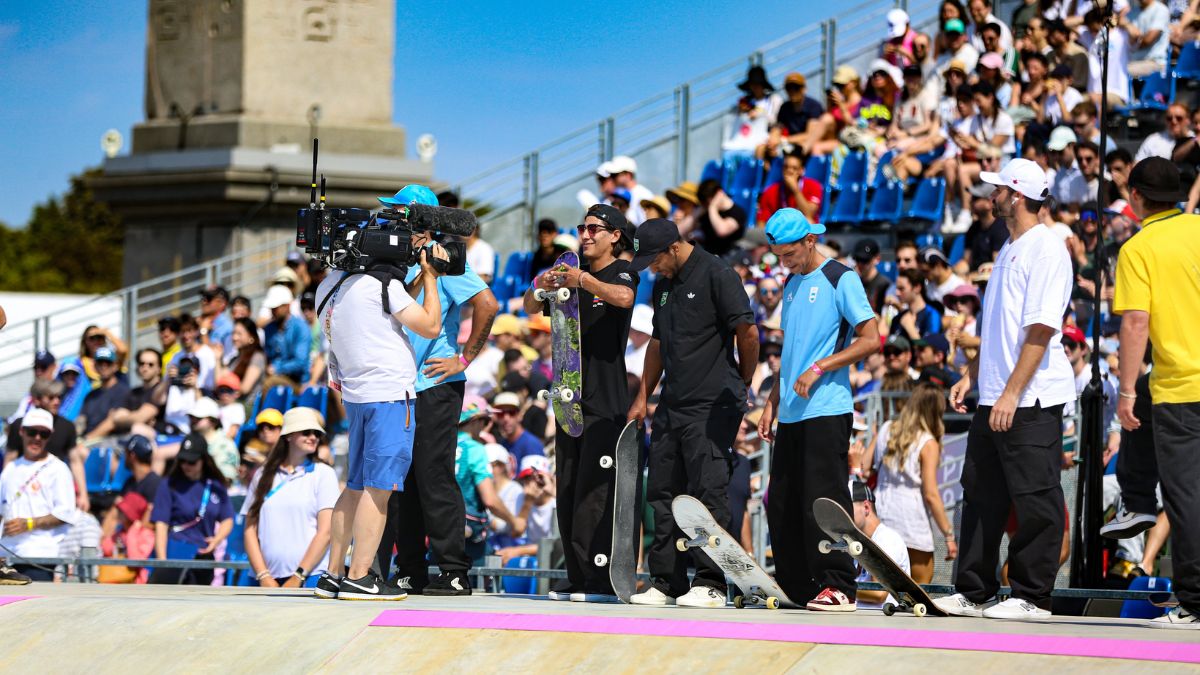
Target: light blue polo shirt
x,y
820,311
453,292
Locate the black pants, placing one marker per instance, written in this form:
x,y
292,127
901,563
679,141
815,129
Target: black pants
x,y
431,504
585,500
690,458
1137,464
1177,442
809,460
163,575
35,573
1016,469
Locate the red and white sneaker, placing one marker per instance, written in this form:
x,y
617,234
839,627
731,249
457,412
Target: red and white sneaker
x,y
831,600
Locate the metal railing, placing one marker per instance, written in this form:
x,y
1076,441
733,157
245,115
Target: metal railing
x,y
672,134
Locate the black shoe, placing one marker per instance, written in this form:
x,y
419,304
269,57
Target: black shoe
x,y
369,587
449,583
11,577
327,587
409,584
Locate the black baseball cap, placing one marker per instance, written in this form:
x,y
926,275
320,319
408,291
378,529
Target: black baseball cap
x,y
547,225
43,359
1157,179
935,340
140,447
194,447
651,238
613,217
865,250
215,292
861,492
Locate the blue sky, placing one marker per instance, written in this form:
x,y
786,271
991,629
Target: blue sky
x,y
490,80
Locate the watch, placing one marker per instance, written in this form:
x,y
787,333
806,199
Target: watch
x,y
300,574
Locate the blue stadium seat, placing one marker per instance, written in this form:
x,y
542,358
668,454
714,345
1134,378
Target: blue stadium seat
x,y
278,397
1142,609
1188,65
235,550
886,203
817,169
929,201
775,173
645,287
522,585
99,472
929,239
1158,90
713,171
743,189
880,176
518,265
887,268
854,170
314,397
849,206
957,247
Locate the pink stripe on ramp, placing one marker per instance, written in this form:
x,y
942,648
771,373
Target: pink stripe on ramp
x,y
9,599
1054,645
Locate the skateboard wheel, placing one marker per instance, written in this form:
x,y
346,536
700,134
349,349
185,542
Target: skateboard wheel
x,y
772,602
543,395
825,546
601,560
739,602
714,541
888,609
563,294
919,610
539,294
606,462
856,548
567,395
681,544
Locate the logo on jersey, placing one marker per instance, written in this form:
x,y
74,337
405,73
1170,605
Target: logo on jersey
x,y
625,276
812,294
635,245
663,299
790,296
691,295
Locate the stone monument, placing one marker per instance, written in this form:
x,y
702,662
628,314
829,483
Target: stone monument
x,y
235,91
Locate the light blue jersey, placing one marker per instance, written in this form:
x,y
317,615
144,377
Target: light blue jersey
x,y
820,311
453,292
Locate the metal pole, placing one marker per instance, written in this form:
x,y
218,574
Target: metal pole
x,y
533,195
46,332
683,121
601,142
831,54
610,140
825,74
131,310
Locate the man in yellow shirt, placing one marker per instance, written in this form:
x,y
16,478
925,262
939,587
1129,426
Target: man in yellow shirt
x,y
1158,296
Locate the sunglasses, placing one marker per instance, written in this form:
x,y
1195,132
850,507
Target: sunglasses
x,y
506,413
95,337
264,425
311,432
592,228
769,291
1177,118
892,352
190,461
148,364
37,433
793,87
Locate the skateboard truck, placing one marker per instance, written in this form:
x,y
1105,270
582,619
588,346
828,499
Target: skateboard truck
x,y
854,548
756,596
561,295
560,393
711,541
918,610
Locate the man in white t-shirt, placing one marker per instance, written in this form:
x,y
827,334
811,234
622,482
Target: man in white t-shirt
x,y
537,482
624,170
641,328
372,363
1024,379
1150,35
1092,39
38,497
884,537
940,278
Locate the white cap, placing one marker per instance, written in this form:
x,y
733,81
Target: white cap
x,y
643,319
1021,175
205,407
531,464
622,164
897,23
1060,138
604,170
278,296
506,399
496,453
893,72
37,417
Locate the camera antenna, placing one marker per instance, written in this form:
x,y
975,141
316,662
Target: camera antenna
x,y
322,192
312,199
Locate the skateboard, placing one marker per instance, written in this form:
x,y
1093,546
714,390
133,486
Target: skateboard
x,y
626,465
567,389
838,524
755,585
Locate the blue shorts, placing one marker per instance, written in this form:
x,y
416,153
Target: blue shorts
x,y
381,443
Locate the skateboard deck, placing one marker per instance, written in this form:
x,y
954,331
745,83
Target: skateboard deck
x,y
626,465
755,585
566,391
838,524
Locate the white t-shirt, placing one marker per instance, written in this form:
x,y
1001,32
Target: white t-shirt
x,y
541,518
1069,186
939,291
1006,38
635,358
206,376
287,521
371,359
916,110
32,490
1118,66
636,214
179,404
232,415
1031,284
892,544
1058,107
985,129
481,258
1156,17
481,374
1158,144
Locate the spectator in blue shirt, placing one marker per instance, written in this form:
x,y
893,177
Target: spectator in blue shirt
x,y
192,513
918,318
519,442
216,326
288,340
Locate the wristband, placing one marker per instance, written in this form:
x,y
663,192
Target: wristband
x,y
262,575
817,369
462,358
1128,396
29,524
856,472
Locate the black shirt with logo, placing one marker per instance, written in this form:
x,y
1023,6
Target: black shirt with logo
x,y
695,316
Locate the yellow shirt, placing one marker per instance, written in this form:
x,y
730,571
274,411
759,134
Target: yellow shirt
x,y
1158,271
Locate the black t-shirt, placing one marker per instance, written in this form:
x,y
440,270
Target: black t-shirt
x,y
985,244
695,314
710,240
146,487
62,438
99,402
795,118
542,261
739,493
877,289
535,420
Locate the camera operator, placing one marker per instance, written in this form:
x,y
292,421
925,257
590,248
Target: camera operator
x,y
431,505
373,364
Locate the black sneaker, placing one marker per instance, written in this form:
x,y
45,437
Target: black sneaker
x,y
327,587
409,585
11,577
369,587
449,583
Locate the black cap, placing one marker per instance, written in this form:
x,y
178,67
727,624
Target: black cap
x,y
1157,179
612,217
738,256
932,254
935,340
194,447
171,323
652,237
865,250
547,225
140,446
215,292
1061,70
43,359
899,342
861,492
912,70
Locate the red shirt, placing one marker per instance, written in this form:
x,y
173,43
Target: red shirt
x,y
774,197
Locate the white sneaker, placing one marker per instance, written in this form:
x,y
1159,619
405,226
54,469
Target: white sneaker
x,y
962,222
1018,609
653,597
1127,524
958,605
1178,618
701,596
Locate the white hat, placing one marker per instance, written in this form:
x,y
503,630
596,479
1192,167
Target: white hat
x,y
38,418
531,464
893,72
300,419
1021,175
604,170
205,407
643,319
622,164
1060,138
277,296
506,399
496,453
897,23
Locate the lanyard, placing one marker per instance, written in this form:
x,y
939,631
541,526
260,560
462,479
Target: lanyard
x,y
203,507
21,490
308,468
